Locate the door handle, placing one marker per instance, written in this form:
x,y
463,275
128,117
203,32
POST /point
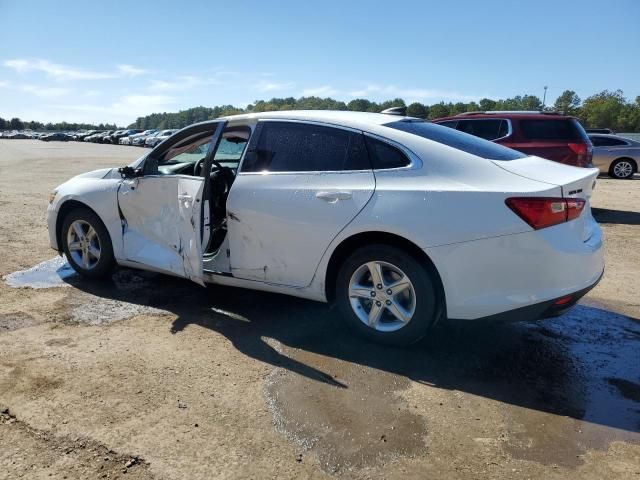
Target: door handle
x,y
333,197
185,196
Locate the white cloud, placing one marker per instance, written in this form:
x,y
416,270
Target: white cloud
x,y
410,94
274,86
123,111
324,91
3,84
45,92
65,72
131,71
54,70
184,82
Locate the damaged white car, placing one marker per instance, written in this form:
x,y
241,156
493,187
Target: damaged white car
x,y
399,221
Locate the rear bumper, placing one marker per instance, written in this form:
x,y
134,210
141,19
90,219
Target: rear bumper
x,y
538,311
524,272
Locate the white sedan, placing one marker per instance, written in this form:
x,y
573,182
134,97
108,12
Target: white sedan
x,y
399,221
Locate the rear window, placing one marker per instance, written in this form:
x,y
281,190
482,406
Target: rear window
x,y
455,139
551,130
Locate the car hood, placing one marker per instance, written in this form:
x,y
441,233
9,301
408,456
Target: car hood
x,y
101,173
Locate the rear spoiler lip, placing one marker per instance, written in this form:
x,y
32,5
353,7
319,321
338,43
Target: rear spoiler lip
x,y
581,172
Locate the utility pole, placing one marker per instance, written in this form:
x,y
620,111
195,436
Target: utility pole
x,y
544,97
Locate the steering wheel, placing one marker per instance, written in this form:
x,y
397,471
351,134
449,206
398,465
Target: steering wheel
x,y
197,168
226,173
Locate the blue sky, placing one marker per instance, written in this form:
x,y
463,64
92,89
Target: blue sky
x,y
114,61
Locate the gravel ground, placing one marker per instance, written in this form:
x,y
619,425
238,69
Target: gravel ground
x,y
147,376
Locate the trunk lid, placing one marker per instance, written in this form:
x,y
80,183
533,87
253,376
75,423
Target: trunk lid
x,y
575,182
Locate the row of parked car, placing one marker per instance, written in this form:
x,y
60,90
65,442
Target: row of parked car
x,y
135,137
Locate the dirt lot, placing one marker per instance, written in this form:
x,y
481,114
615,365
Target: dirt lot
x,y
148,376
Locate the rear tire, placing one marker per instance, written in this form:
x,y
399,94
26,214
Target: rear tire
x,y
622,169
87,244
386,295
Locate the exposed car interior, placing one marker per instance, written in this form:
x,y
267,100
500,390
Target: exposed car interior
x,y
188,157
223,172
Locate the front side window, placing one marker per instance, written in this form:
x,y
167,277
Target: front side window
x,y
489,129
300,147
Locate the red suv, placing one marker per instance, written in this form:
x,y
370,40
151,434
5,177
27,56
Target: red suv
x,y
545,134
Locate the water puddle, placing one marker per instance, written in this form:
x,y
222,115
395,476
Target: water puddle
x,y
98,301
47,274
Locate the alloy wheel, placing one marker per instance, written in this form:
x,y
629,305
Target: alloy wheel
x,y
622,169
382,296
84,244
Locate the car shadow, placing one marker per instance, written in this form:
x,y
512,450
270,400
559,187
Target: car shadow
x,y
568,366
621,217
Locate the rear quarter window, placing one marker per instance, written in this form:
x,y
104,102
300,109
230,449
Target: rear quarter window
x,y
456,139
384,156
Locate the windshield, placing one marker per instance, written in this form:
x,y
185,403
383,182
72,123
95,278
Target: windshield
x,y
456,139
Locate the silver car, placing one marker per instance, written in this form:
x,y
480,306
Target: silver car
x,y
616,156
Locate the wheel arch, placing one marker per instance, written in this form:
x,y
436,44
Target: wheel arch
x,y
63,211
350,244
632,160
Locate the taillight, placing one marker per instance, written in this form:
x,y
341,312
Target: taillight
x,y
584,153
574,207
578,148
542,212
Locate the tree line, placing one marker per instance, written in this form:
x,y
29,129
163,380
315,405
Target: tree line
x,y
606,109
17,124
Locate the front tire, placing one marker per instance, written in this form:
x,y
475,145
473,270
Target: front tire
x,y
386,295
87,244
622,168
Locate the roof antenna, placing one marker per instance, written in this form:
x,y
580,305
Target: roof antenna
x,y
399,111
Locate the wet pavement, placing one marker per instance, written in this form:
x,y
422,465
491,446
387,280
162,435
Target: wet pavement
x,y
563,386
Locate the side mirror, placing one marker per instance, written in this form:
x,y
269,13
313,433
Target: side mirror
x,y
130,172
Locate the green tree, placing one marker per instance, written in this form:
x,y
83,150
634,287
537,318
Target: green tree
x,y
486,104
438,110
568,102
16,124
604,109
418,110
3,124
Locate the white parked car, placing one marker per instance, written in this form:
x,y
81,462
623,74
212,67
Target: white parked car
x,y
400,221
155,139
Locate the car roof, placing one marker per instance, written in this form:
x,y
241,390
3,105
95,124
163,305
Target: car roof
x,y
507,114
337,117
